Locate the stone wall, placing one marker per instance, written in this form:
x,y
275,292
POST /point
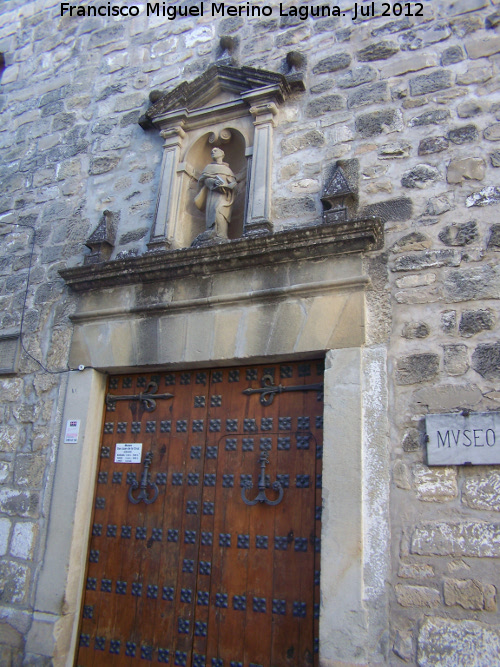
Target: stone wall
x,y
412,106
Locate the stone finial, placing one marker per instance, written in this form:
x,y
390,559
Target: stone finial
x,y
102,240
295,61
227,49
339,197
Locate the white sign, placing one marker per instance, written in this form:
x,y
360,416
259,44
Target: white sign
x,y
128,452
456,439
71,433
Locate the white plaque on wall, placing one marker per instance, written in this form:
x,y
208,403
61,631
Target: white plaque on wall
x,y
128,452
458,439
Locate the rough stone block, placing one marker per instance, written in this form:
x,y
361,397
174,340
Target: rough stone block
x,y
29,470
23,540
416,280
477,73
416,368
287,207
481,282
492,21
455,359
378,122
434,117
420,176
403,645
440,79
378,51
483,493
466,25
333,63
437,205
492,133
369,93
486,360
412,440
413,330
457,643
475,539
324,105
432,145
5,525
448,397
466,593
494,239
485,197
10,437
495,159
469,109
417,596
391,209
435,485
310,139
482,46
356,77
401,475
452,55
426,260
464,135
127,102
459,235
416,571
408,63
19,503
472,169
475,321
394,151
411,242
14,582
106,35
101,165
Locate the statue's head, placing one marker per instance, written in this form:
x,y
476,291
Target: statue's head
x,y
217,153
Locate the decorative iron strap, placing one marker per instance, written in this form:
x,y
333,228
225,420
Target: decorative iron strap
x,y
145,481
148,397
268,389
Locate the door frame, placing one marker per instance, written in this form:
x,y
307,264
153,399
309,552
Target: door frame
x,y
355,541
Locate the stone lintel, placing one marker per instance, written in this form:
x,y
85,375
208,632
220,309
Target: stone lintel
x,y
303,243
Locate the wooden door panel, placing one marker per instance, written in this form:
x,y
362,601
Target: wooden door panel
x,y
199,577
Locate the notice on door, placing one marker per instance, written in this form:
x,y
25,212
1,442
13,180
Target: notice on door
x,y
458,439
128,452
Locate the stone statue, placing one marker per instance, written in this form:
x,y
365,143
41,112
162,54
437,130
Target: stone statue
x,y
216,196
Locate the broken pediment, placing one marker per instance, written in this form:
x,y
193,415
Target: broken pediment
x,y
245,85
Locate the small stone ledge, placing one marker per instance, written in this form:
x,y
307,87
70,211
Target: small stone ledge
x,y
311,242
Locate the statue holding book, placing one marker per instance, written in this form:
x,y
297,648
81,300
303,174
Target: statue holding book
x,y
216,196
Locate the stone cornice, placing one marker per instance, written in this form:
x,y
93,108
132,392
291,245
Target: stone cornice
x,y
311,242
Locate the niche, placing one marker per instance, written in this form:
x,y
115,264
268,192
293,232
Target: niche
x,y
194,161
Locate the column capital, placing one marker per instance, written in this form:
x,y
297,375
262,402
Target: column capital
x,y
172,135
264,113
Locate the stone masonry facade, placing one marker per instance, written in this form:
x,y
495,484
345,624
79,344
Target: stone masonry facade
x,y
411,106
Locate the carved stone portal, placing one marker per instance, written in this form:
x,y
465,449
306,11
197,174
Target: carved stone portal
x,y
230,107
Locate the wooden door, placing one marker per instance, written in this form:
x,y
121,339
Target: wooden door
x,y
181,570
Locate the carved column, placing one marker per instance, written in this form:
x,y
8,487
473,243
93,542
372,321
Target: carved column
x,y
163,231
258,219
